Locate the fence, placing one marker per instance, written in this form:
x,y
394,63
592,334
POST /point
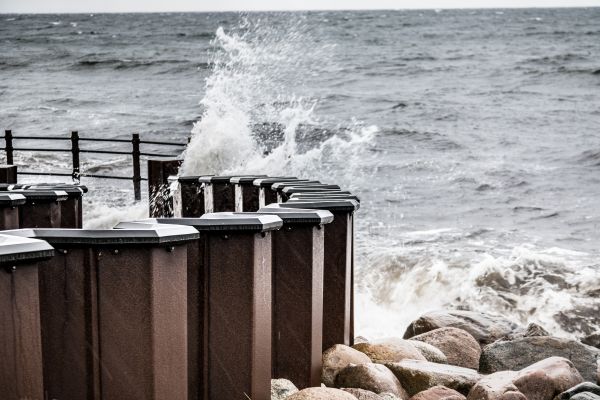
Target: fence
x,y
76,150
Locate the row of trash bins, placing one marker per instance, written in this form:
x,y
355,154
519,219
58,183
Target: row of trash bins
x,y
210,306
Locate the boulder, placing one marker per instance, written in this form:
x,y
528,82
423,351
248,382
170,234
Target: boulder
x,y
485,328
417,376
281,389
459,347
374,377
592,340
531,330
518,354
388,396
540,381
438,393
389,350
337,358
431,353
362,394
585,387
321,394
586,396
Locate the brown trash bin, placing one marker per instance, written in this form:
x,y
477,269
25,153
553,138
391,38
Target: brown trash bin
x,y
246,194
9,211
42,208
229,305
265,194
188,196
338,282
21,374
71,210
113,313
298,257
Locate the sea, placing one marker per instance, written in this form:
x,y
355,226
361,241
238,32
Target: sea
x,y
472,137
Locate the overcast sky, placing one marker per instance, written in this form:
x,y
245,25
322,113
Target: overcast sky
x,y
58,6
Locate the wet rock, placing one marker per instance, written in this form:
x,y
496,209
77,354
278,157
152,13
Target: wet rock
x,y
360,339
362,394
485,328
281,389
438,393
562,374
321,394
592,340
459,346
374,377
337,358
417,376
586,396
388,396
518,354
431,353
532,330
581,388
389,350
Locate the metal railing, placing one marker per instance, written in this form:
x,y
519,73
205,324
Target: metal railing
x,y
76,150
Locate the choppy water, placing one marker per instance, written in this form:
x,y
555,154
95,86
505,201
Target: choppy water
x,y
473,137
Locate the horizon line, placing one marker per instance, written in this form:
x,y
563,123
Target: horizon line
x,y
300,10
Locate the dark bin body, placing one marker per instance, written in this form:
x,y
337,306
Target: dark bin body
x,y
246,194
160,202
8,174
20,328
9,211
188,199
229,305
42,208
71,210
219,194
113,306
338,295
265,194
298,256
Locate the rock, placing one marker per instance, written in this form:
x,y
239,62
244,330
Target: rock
x,y
581,388
337,358
438,393
485,328
592,340
431,353
388,396
520,353
362,394
459,347
374,377
389,350
586,396
417,376
531,331
321,394
360,339
540,381
281,389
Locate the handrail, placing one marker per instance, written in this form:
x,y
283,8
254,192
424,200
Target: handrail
x,y
75,151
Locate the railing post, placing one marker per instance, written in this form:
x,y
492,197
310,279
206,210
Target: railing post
x,y
137,177
75,153
9,146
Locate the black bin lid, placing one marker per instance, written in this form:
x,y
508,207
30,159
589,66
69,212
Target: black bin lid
x,y
4,187
324,195
245,179
329,204
73,192
222,178
184,179
15,250
225,221
11,199
267,182
281,185
298,215
157,235
43,196
310,188
57,185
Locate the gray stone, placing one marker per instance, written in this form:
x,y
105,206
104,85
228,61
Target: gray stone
x,y
438,393
586,396
485,328
592,340
581,388
430,352
459,347
389,350
362,394
376,378
518,354
417,376
337,358
281,389
321,394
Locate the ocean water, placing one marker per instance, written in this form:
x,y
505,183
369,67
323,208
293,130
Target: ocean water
x,y
472,136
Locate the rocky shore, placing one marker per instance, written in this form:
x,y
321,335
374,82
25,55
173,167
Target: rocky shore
x,y
458,355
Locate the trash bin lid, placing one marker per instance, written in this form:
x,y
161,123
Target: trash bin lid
x,y
324,195
267,182
14,249
220,179
58,185
11,199
73,192
297,215
157,235
184,179
4,187
245,179
40,195
329,204
281,185
223,221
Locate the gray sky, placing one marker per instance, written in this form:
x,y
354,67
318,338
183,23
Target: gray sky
x,y
58,6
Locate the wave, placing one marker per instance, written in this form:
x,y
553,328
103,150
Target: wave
x,y
590,157
121,64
